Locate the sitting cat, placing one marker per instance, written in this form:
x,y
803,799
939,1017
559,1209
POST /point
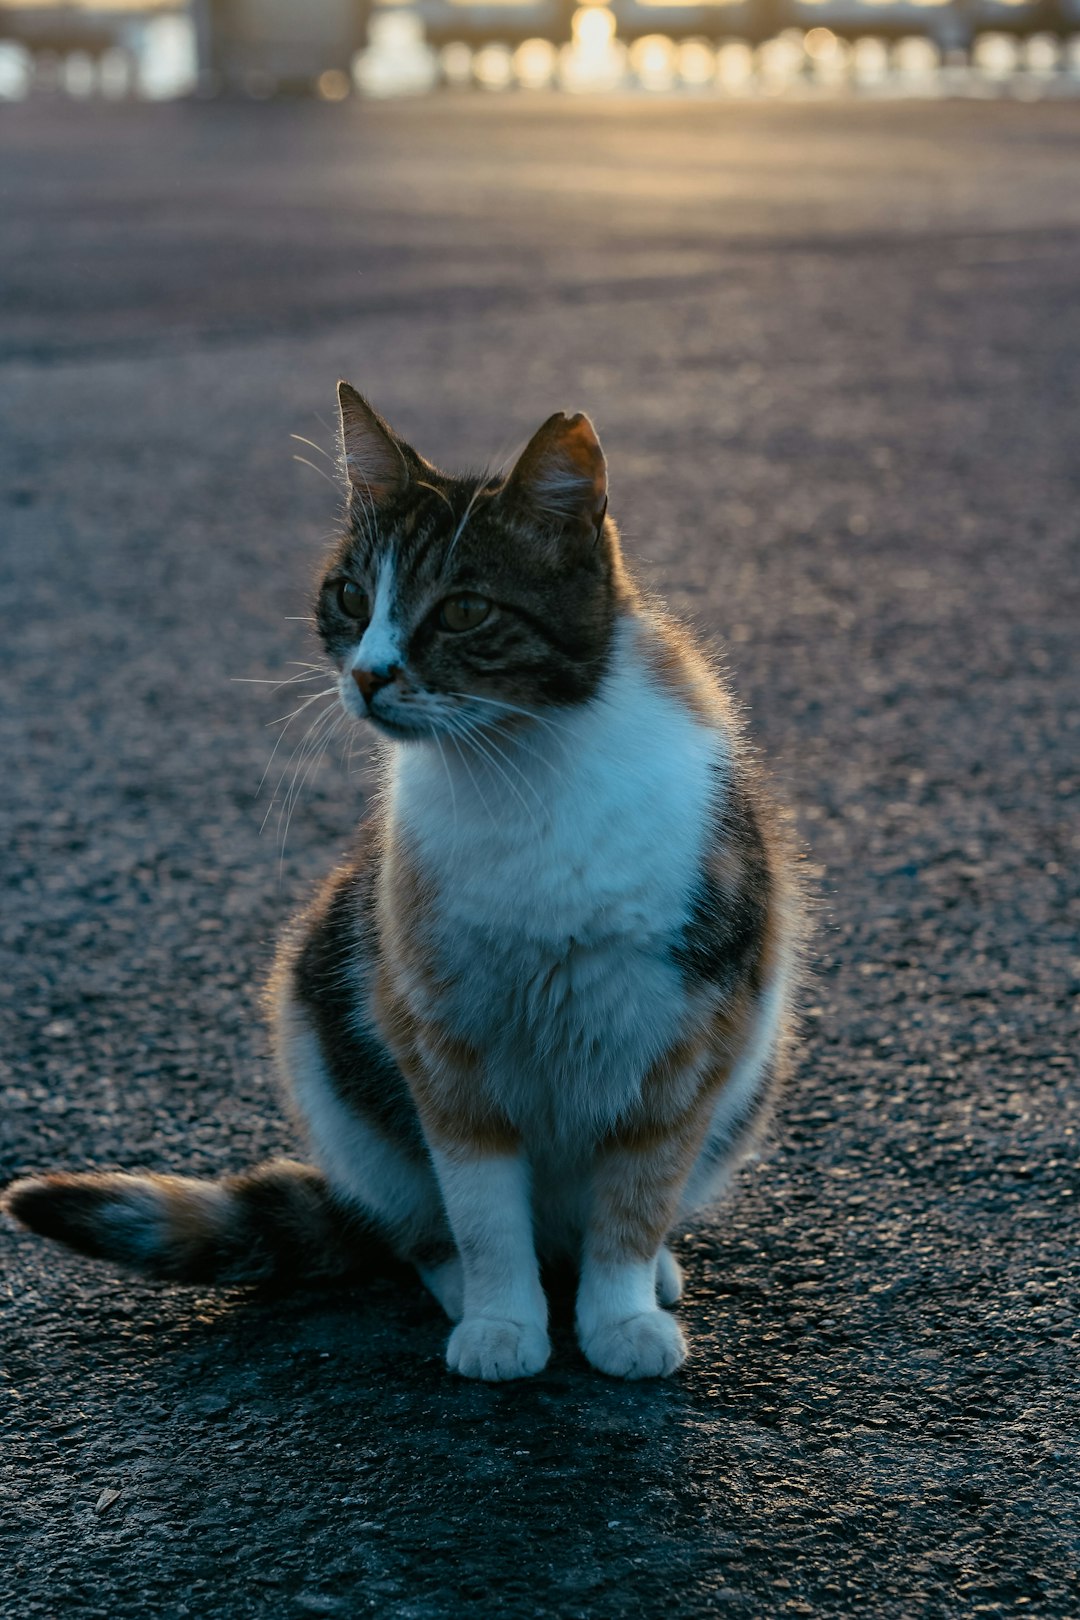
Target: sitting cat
x,y
541,1008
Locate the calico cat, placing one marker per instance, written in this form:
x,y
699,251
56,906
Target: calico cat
x,y
541,1008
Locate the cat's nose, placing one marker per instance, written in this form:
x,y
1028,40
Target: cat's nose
x,y
370,680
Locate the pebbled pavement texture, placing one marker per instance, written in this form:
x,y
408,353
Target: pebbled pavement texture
x,y
833,352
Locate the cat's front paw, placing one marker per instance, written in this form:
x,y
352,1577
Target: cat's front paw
x,y
492,1348
650,1345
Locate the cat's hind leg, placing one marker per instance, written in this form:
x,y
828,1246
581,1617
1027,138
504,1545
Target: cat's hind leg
x,y
744,1104
356,1111
446,1283
669,1278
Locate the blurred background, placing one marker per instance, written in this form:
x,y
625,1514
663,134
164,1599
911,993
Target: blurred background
x,y
335,48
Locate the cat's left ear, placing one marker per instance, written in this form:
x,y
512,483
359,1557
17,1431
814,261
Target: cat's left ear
x,y
379,465
561,475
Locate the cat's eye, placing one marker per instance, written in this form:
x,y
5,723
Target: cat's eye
x,y
464,612
353,601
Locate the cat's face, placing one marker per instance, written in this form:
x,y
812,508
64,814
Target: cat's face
x,y
454,603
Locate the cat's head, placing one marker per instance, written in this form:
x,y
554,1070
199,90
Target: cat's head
x,y
458,601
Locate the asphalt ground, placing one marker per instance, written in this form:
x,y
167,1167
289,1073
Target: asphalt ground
x,y
833,354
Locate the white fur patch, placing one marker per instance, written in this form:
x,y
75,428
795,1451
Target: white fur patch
x,y
356,1158
381,645
620,1328
566,865
503,1329
669,1278
487,1200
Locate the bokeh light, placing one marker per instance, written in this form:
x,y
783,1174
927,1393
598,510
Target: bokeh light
x,y
594,60
455,63
492,67
333,85
154,52
16,71
696,63
654,62
820,43
534,63
735,67
398,60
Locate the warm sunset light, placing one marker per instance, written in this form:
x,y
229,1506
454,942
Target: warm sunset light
x,y
335,49
96,7
696,62
654,61
594,28
492,67
534,63
594,60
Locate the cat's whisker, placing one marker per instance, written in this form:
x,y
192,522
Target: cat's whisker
x,y
435,490
365,506
473,498
274,799
512,708
473,737
490,742
320,737
437,740
299,437
314,698
281,735
313,761
493,764
453,736
308,745
314,758
288,680
350,751
321,471
482,727
517,742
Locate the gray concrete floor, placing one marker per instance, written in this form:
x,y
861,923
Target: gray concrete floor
x,y
833,354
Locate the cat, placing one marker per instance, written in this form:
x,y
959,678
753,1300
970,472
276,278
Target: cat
x,y
542,1008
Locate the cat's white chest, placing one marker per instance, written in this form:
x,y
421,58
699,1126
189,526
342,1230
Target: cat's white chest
x,y
561,886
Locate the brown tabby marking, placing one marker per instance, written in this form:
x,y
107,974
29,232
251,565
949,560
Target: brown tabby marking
x,y
637,1181
444,1077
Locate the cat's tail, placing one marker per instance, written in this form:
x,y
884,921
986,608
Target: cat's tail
x,y
279,1224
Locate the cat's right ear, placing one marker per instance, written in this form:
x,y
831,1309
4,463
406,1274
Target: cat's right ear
x,y
561,475
379,465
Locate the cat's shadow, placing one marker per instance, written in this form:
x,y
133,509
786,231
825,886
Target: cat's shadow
x,y
325,1338
389,1300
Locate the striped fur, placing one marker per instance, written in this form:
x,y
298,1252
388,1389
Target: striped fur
x,y
541,1010
280,1224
